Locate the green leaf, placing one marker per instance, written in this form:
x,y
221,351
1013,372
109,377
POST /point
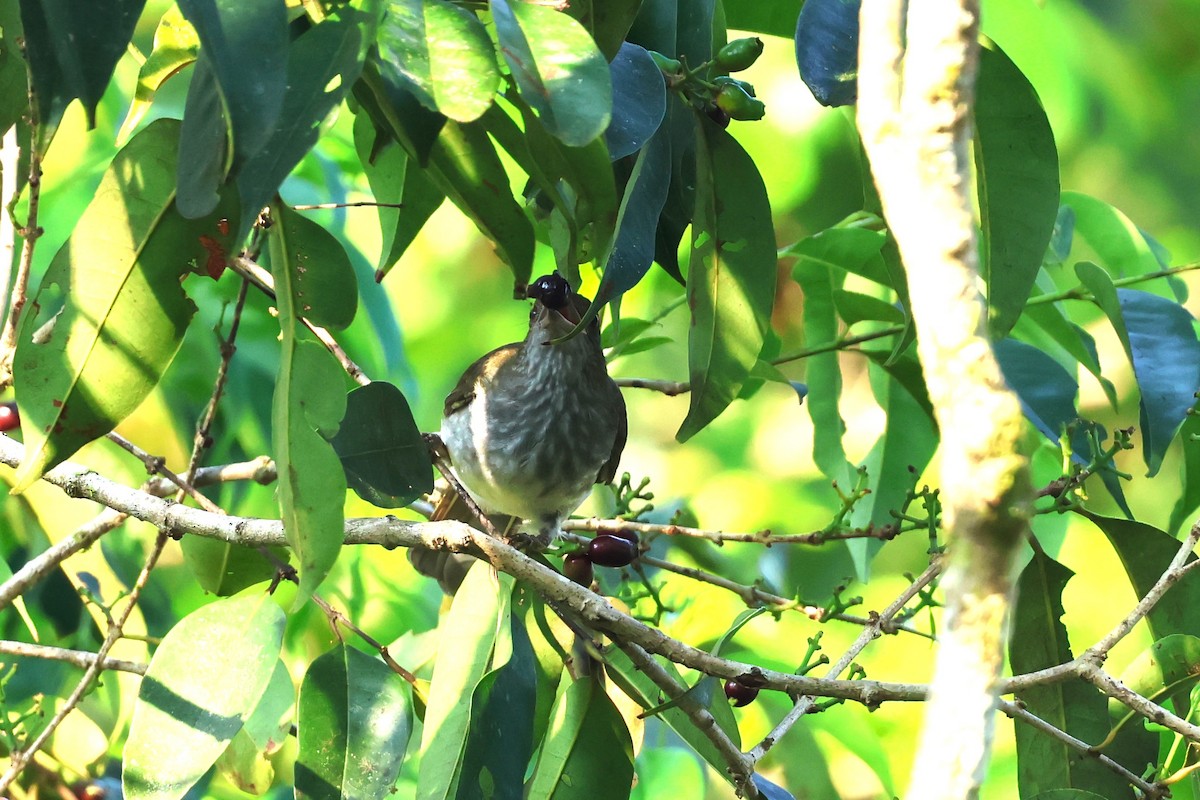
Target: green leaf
x,y
175,46
323,284
900,454
308,405
381,448
606,20
850,249
777,18
392,181
1189,500
1166,363
1166,670
1051,320
558,69
822,372
246,45
503,705
1017,177
643,691
225,569
202,684
246,761
322,65
441,52
464,164
587,752
469,632
639,101
110,313
1068,794
731,282
397,110
203,144
355,718
1145,552
1046,390
826,39
668,772
1039,641
1117,242
855,307
73,47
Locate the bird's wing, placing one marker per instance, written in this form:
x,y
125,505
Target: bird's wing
x,y
482,369
609,470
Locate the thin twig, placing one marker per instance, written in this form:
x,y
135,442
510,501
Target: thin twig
x,y
764,537
251,271
1017,712
30,232
155,465
357,204
741,769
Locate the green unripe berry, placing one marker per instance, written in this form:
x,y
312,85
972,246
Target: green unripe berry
x,y
739,54
669,66
738,104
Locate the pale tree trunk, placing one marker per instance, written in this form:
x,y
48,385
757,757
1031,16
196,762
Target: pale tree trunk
x,y
917,67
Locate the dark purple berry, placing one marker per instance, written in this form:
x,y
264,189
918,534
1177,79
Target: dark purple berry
x,y
578,567
611,551
629,536
740,693
10,420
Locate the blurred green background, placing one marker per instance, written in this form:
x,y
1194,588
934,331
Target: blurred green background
x,y
1121,85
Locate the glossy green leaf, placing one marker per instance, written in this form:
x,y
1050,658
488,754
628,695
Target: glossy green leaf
x,y
465,166
203,144
203,682
175,46
826,38
899,456
396,110
1039,640
393,180
1184,511
1016,171
822,373
606,20
1145,552
1046,390
469,634
381,448
1068,794
1166,363
223,568
849,249
731,282
322,65
587,752
72,47
246,45
668,772
637,220
503,706
443,53
558,69
307,407
777,18
1117,242
1167,669
110,313
323,284
855,307
354,719
1051,320
634,683
246,762
639,101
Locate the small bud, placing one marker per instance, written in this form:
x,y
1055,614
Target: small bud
x,y
669,66
739,54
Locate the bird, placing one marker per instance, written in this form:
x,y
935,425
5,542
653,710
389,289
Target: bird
x,y
531,426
